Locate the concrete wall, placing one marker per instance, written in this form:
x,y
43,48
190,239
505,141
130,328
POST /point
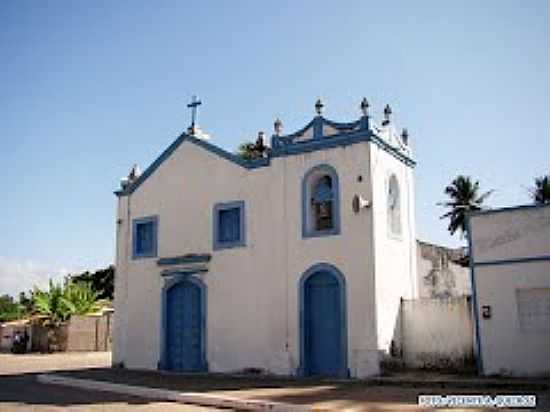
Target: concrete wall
x,y
89,333
439,276
437,333
511,269
253,308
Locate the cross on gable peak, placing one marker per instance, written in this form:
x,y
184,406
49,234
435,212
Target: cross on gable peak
x,y
193,105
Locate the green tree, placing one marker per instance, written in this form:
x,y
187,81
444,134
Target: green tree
x,y
9,309
81,298
541,191
102,281
251,150
52,303
464,197
61,301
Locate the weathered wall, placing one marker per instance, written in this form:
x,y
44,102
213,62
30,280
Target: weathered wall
x,y
252,292
439,276
437,333
511,257
89,333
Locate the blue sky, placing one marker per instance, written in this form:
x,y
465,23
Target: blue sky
x,y
89,88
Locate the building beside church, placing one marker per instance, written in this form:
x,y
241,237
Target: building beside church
x,y
293,263
510,268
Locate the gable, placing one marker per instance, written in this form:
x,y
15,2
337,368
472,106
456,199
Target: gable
x,y
319,134
184,137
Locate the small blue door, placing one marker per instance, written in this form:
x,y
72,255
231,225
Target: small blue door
x,y
323,321
184,338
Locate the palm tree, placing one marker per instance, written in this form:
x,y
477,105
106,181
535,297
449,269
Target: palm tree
x,y
59,303
541,192
81,298
52,303
464,198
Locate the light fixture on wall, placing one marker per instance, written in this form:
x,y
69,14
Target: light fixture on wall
x,y
359,202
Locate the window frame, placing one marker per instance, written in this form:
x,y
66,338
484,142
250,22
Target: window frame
x,y
308,230
392,234
218,207
154,250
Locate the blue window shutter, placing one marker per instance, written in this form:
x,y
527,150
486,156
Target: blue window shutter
x,y
228,225
145,237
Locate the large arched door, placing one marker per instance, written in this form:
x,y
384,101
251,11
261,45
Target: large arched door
x,y
323,341
184,327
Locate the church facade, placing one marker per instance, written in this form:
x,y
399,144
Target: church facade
x,y
293,263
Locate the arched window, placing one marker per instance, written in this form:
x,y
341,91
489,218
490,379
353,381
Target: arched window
x,y
320,202
394,206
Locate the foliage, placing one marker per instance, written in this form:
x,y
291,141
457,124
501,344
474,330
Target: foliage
x,y
540,193
51,303
102,281
60,302
26,302
81,298
9,309
464,197
251,150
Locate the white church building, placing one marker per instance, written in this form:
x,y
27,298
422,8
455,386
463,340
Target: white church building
x,y
293,263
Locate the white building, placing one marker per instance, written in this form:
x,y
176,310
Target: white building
x,y
294,263
510,265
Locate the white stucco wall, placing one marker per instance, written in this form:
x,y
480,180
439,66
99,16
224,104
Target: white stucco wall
x,y
503,245
437,333
252,292
395,256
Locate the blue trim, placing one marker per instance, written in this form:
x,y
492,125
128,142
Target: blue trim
x,y
338,140
306,196
135,222
509,209
512,261
323,267
283,146
184,271
199,142
475,303
216,244
318,128
188,258
169,283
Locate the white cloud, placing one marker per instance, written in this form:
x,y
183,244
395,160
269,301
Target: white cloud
x,y
18,275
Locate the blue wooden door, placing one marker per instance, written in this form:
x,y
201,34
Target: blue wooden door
x,y
323,325
184,328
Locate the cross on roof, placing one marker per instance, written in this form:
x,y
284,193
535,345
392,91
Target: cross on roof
x,y
195,103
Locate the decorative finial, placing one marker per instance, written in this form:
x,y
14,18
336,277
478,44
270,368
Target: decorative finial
x,y
261,143
135,172
405,137
387,115
278,127
319,106
365,106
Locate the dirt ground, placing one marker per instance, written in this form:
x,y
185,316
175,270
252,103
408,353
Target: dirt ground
x,y
19,390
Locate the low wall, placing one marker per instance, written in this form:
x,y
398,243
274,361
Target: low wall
x,y
436,333
81,333
89,333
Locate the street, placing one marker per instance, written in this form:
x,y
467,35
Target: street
x,y
19,391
